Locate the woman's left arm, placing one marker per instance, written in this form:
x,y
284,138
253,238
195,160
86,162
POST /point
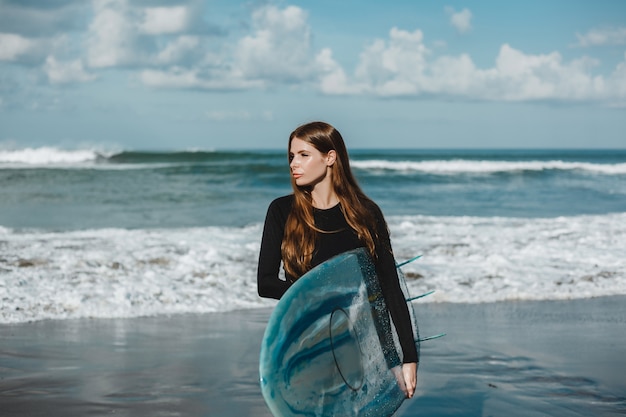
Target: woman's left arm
x,y
394,297
396,303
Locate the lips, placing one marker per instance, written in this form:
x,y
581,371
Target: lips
x,y
296,175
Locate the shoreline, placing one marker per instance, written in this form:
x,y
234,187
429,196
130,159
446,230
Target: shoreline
x,y
515,358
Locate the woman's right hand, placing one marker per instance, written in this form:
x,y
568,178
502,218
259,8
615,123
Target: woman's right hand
x,y
406,376
409,373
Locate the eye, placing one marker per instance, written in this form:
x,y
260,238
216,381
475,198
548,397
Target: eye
x,y
290,157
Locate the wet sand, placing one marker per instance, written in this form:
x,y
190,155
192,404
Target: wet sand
x,y
557,358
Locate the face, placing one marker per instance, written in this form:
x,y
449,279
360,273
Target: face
x,y
308,165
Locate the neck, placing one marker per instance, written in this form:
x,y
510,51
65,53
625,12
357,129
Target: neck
x,y
324,195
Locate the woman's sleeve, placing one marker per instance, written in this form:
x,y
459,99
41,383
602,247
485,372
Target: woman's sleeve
x,y
390,285
269,284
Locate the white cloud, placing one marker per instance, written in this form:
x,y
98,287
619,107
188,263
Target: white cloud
x,y
518,76
604,36
617,81
111,35
178,49
116,39
452,75
462,21
333,79
66,72
397,66
12,46
279,50
165,20
387,68
402,66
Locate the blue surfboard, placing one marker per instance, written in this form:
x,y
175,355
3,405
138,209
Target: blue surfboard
x,y
330,348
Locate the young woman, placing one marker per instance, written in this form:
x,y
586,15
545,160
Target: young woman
x,y
326,215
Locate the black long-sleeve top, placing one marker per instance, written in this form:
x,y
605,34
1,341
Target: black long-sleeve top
x,y
342,239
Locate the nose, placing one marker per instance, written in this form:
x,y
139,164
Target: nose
x,y
294,162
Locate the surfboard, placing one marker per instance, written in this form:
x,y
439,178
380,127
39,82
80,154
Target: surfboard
x,y
330,348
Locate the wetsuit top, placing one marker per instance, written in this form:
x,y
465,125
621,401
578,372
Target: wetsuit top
x,y
343,239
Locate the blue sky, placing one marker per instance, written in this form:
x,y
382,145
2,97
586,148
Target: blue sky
x,y
202,74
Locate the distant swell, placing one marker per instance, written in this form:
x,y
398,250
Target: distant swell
x,y
47,156
461,166
89,158
50,157
134,157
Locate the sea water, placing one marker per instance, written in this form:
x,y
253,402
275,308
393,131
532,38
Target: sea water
x,y
85,233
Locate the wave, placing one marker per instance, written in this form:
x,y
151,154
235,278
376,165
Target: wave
x,y
55,157
461,166
130,273
48,156
51,157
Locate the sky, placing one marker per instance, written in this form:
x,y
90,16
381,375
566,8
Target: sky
x,y
217,74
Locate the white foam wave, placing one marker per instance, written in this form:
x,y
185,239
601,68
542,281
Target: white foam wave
x,y
53,158
47,156
129,273
460,166
474,259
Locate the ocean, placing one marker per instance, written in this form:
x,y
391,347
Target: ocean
x,y
85,233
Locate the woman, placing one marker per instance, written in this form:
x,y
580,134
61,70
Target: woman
x,y
326,215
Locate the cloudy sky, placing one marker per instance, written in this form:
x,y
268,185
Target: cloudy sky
x,y
209,74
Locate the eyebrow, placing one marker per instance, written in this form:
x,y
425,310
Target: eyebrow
x,y
300,151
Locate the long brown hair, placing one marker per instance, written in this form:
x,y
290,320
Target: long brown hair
x,y
300,232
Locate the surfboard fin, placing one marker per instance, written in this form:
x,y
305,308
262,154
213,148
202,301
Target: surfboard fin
x,y
420,296
409,261
437,336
